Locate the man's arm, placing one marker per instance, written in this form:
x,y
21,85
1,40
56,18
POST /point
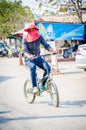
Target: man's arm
x,y
51,50
46,45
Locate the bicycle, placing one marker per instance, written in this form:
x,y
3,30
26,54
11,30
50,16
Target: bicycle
x,y
51,88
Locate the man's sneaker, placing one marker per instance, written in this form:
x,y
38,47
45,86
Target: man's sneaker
x,y
42,88
35,90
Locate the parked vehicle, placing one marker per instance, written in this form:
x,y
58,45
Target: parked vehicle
x,y
4,49
8,51
15,52
81,57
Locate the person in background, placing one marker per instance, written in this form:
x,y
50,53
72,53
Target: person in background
x,y
66,44
10,53
31,49
72,48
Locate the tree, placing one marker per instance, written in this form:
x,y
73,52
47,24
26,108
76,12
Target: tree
x,y
13,16
78,6
55,3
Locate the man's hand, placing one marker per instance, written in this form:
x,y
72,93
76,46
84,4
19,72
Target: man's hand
x,y
54,51
30,56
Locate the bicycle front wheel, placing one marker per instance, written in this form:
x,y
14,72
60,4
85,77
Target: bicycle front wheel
x,y
54,93
28,92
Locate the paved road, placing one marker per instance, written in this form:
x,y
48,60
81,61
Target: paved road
x,y
17,114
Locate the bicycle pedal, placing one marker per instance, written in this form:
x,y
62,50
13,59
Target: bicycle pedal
x,y
38,94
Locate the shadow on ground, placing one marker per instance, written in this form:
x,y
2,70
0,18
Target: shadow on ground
x,y
81,103
4,78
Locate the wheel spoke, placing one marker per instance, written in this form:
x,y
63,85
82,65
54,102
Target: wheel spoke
x,y
28,92
54,94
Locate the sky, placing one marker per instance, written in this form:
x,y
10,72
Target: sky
x,y
30,3
33,4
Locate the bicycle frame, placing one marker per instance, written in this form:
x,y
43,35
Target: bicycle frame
x,y
51,88
39,81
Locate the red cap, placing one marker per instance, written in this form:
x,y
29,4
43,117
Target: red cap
x,y
32,33
31,26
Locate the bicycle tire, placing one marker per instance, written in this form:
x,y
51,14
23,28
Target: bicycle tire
x,y
28,94
54,93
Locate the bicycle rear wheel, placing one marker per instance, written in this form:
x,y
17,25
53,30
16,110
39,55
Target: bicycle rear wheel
x,y
54,93
28,92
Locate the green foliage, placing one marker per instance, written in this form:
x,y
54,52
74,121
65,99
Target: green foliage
x,y
63,9
54,3
50,1
40,5
77,4
13,16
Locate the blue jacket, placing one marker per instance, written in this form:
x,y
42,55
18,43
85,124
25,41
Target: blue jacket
x,y
34,47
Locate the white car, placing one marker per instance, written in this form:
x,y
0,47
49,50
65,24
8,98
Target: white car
x,y
81,57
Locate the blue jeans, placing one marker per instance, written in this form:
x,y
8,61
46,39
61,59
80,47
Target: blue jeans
x,y
67,52
41,63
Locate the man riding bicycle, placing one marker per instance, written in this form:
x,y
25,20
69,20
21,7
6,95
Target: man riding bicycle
x,y
31,49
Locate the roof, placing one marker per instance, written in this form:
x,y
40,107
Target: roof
x,y
62,18
16,34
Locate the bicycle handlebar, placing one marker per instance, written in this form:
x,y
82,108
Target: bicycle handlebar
x,y
48,54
